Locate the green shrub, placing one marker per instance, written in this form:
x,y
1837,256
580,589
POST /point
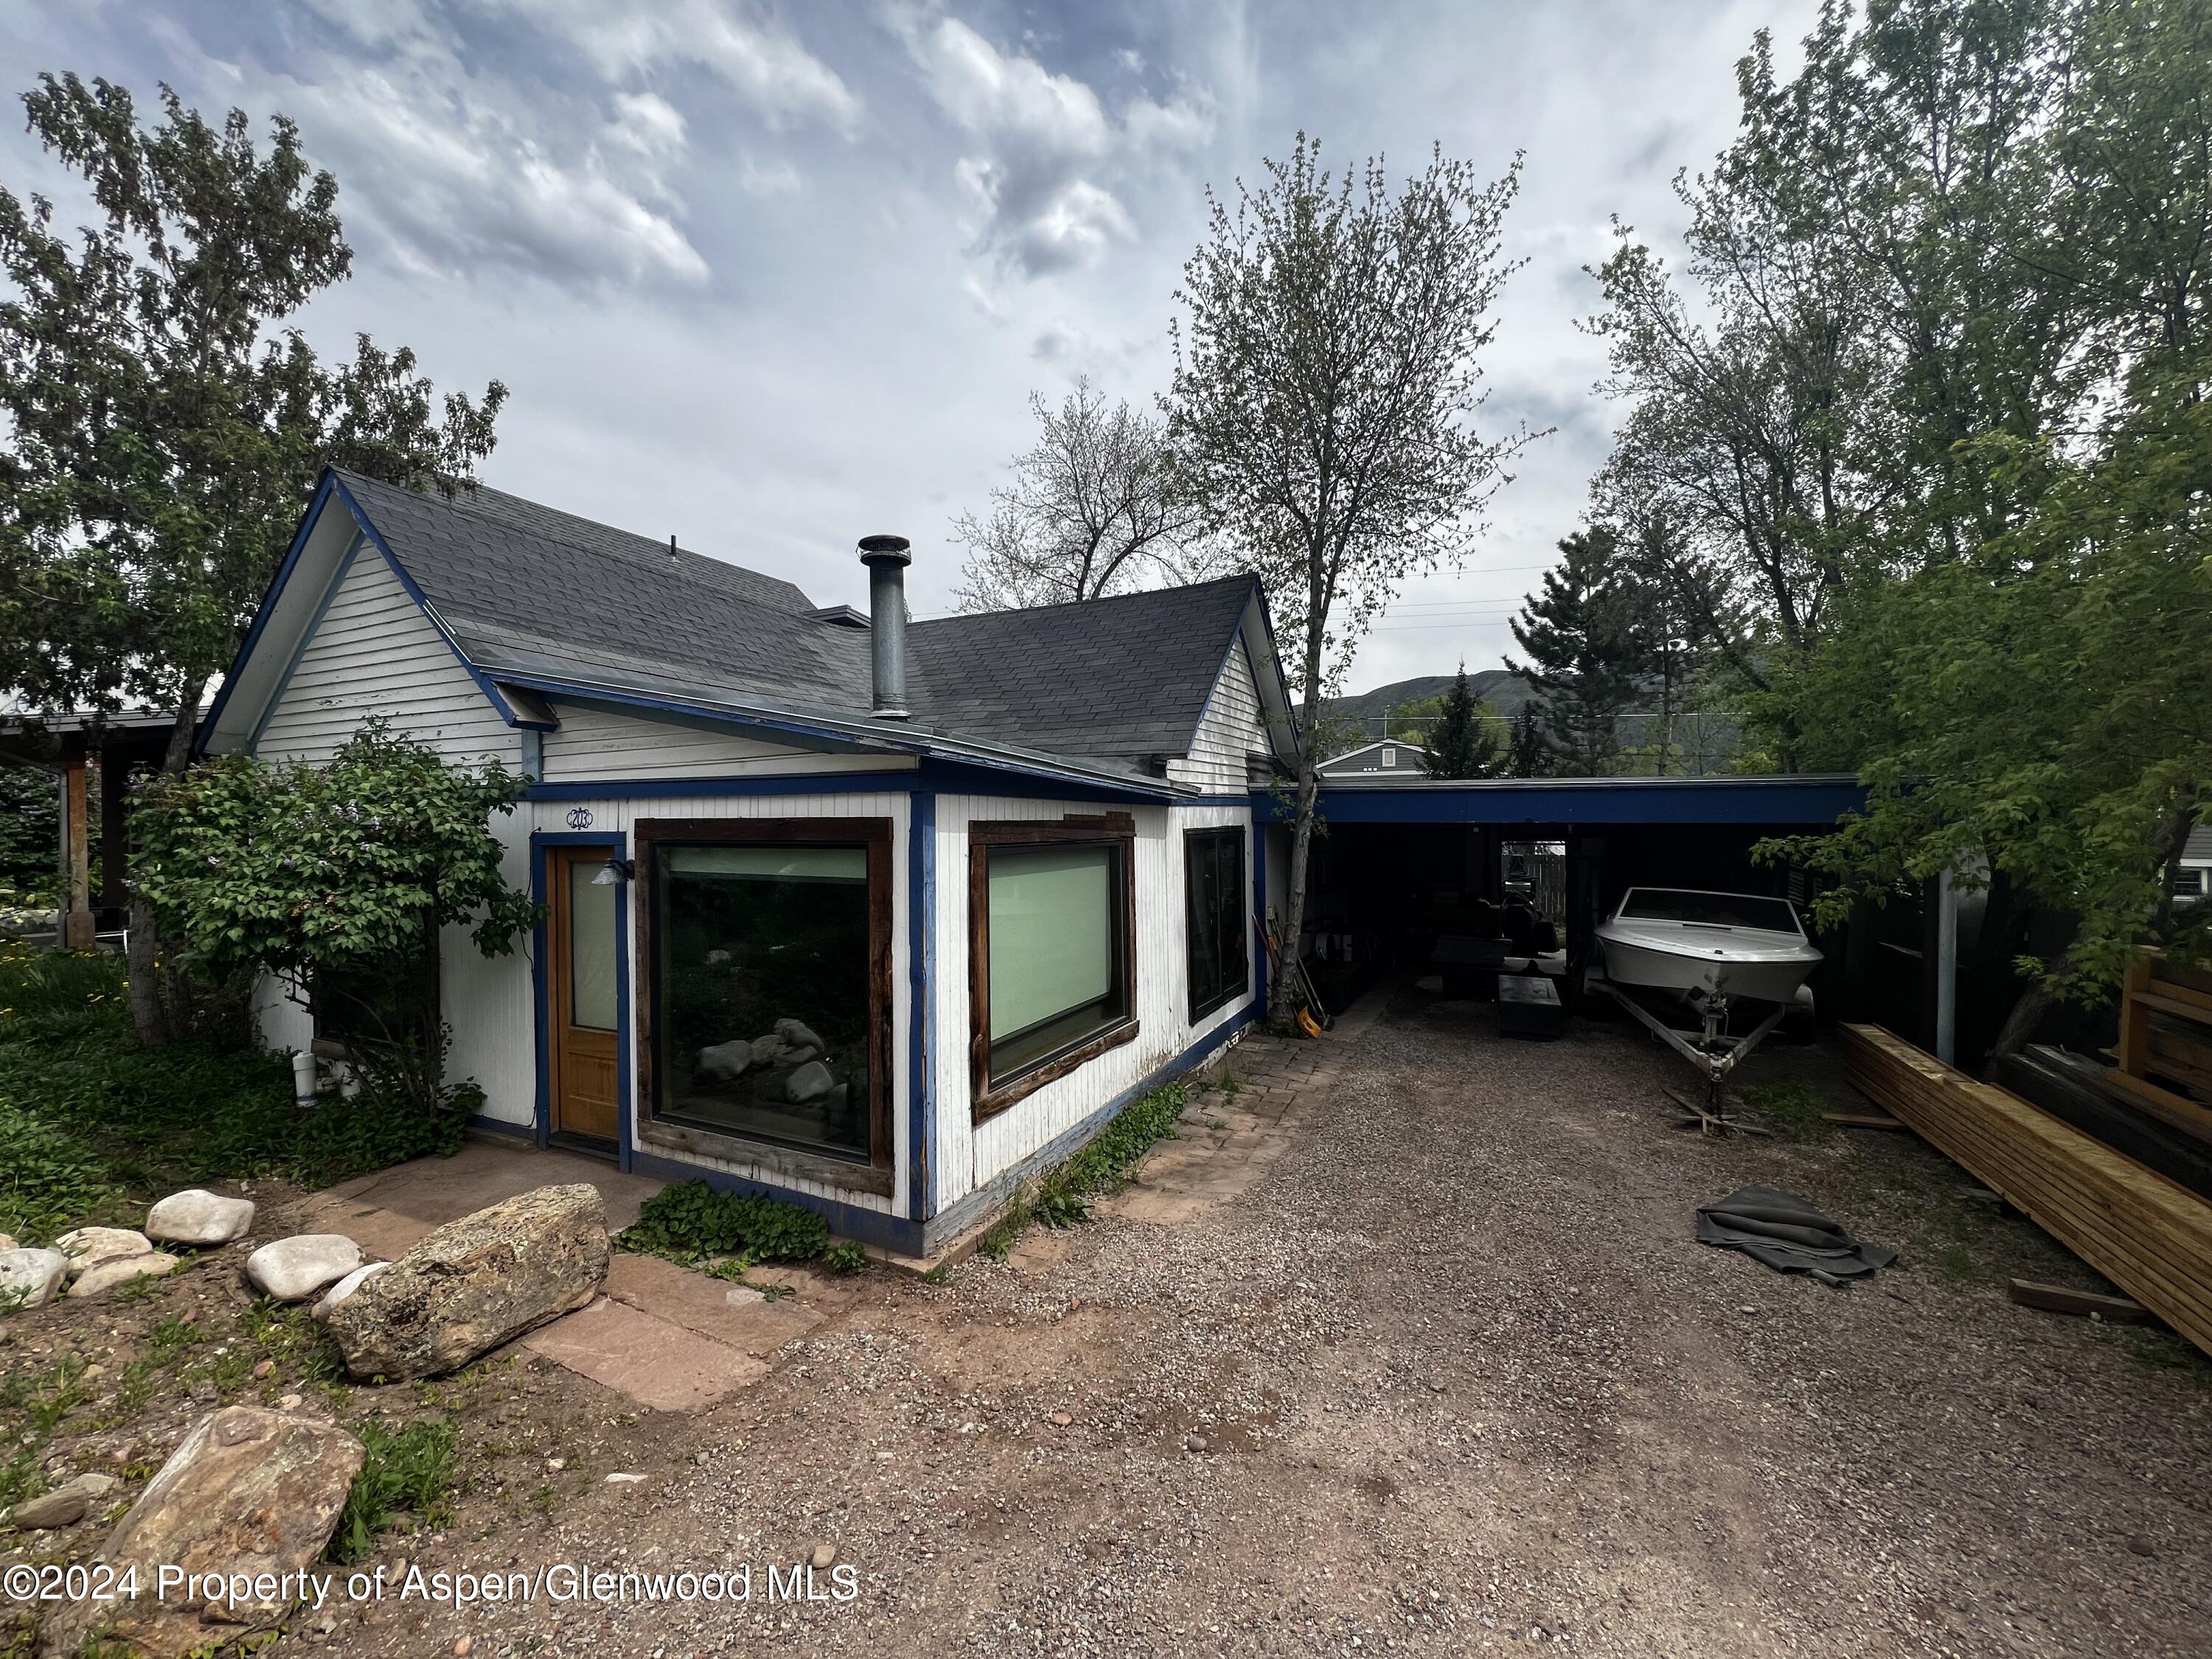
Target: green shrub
x,y
846,1258
1062,1196
413,1470
690,1222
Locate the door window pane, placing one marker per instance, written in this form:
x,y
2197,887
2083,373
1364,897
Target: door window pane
x,y
762,1024
591,949
1056,951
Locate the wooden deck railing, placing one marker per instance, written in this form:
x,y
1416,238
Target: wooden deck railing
x,y
2165,1053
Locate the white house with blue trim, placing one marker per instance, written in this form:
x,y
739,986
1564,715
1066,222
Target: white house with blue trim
x,y
879,916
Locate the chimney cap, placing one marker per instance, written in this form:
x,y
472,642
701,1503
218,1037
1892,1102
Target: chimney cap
x,y
886,549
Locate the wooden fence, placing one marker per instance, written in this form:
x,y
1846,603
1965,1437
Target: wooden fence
x,y
2149,1236
2164,1059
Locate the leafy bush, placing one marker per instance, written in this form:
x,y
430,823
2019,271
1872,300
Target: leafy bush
x,y
413,1471
690,1222
846,1258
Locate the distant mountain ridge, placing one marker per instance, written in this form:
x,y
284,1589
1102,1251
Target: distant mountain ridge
x,y
1503,689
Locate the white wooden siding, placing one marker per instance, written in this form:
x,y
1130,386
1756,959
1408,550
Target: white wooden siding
x,y
1229,733
970,1155
491,1004
375,653
592,745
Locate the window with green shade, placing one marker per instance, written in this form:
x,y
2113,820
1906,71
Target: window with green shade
x,y
1058,949
1215,903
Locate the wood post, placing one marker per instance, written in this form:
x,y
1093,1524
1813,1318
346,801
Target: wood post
x,y
76,921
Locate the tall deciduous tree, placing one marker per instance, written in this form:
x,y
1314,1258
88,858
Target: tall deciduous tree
x,y
164,419
1091,511
1326,379
1580,630
1463,741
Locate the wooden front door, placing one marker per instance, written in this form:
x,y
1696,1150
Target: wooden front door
x,y
585,949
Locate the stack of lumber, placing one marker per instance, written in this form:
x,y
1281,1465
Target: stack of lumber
x,y
2149,1236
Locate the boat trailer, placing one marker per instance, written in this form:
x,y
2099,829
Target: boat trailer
x,y
1710,1048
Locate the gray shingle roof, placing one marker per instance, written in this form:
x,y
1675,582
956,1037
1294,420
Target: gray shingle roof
x,y
529,591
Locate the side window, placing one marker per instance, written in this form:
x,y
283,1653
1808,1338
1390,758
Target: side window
x,y
1213,883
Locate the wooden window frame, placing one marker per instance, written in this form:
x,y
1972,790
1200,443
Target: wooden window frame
x,y
649,837
1233,988
1117,829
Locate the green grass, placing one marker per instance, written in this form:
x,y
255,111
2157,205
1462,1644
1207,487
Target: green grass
x,y
1062,1196
1795,1108
412,1471
91,1124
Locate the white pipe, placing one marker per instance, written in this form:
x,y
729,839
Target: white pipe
x,y
1946,969
303,1078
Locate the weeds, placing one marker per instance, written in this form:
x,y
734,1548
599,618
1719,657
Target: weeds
x,y
413,1471
1794,1107
849,1257
690,1223
1063,1195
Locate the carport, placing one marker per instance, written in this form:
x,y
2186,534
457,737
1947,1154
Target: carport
x,y
1399,863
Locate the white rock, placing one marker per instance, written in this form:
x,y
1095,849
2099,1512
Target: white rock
x,y
7,1242
29,1276
810,1082
797,1034
726,1062
292,1269
87,1246
121,1270
196,1217
345,1287
766,1048
620,1479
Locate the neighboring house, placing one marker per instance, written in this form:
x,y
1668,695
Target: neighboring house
x,y
1391,758
879,916
2194,877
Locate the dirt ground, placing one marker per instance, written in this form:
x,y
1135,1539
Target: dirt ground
x,y
1449,1374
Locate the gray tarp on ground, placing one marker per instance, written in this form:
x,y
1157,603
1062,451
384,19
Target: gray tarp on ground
x,y
1787,1234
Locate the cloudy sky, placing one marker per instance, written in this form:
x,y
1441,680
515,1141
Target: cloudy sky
x,y
771,277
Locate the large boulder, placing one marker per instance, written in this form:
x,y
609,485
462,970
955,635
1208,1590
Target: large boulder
x,y
121,1270
87,1246
30,1277
195,1216
292,1269
250,1492
476,1283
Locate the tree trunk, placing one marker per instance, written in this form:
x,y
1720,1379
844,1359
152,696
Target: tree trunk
x,y
1283,995
2020,1024
157,990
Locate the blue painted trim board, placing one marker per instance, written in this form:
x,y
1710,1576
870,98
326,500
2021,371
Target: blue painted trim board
x,y
922,1016
1590,801
945,777
541,989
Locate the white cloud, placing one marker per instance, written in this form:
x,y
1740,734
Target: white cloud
x,y
756,55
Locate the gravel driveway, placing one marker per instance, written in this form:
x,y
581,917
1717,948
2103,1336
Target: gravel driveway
x,y
1452,1375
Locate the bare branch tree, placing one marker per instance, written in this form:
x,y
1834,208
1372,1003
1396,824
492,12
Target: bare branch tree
x,y
1322,411
1091,512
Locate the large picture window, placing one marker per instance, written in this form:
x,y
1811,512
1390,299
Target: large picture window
x,y
769,947
1213,880
1053,980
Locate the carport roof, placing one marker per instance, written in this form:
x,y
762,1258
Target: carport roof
x,y
1809,799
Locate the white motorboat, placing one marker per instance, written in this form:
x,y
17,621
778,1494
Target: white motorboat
x,y
1707,946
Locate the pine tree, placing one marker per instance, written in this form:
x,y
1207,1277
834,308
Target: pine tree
x,y
1525,755
1461,744
1579,632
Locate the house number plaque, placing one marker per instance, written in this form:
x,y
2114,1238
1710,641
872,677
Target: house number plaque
x,y
579,817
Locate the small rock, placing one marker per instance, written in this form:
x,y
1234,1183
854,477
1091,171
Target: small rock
x,y
556,1464
290,1402
766,1048
264,1369
810,1082
196,1216
121,1270
2142,1545
824,1553
461,1648
1197,1443
796,1034
725,1063
87,1246
699,1457
345,1287
29,1276
882,1457
64,1506
1747,1308
1061,1419
621,1480
293,1269
7,1242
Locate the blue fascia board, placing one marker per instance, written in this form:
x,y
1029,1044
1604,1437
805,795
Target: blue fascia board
x,y
323,488
949,777
1589,802
500,704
